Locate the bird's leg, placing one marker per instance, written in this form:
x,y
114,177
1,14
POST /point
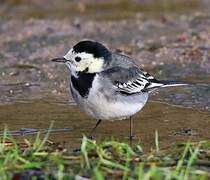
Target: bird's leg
x,y
94,128
131,129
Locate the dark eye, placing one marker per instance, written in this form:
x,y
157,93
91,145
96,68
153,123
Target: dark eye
x,y
78,59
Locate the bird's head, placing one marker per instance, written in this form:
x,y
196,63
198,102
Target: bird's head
x,y
86,56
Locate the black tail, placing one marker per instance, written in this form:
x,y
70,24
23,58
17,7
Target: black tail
x,y
168,83
155,84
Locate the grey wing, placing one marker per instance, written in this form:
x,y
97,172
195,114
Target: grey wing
x,y
130,80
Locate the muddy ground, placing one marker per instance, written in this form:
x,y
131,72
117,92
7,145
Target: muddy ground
x,y
170,41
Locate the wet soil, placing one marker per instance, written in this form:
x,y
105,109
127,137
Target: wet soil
x,y
167,40
173,123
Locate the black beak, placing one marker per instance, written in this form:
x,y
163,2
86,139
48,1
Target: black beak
x,y
60,60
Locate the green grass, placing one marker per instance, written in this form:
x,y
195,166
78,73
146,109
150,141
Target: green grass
x,y
112,159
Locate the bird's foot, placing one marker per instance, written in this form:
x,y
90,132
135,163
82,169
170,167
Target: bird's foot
x,y
132,137
77,150
92,137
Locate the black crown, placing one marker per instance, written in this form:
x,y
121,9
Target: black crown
x,y
92,47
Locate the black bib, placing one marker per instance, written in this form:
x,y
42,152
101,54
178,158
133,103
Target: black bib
x,y
83,82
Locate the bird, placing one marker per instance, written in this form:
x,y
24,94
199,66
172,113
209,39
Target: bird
x,y
108,85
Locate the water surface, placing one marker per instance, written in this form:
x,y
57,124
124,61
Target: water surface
x,y
173,123
169,39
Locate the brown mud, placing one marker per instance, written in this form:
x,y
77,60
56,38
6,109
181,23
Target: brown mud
x,y
170,41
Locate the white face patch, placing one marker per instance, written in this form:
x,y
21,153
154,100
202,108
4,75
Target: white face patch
x,y
87,62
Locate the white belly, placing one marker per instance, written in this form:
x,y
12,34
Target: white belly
x,y
101,109
109,106
114,106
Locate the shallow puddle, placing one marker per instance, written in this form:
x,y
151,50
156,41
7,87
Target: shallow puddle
x,y
173,123
26,74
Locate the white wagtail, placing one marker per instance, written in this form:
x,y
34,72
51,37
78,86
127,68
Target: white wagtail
x,y
107,85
